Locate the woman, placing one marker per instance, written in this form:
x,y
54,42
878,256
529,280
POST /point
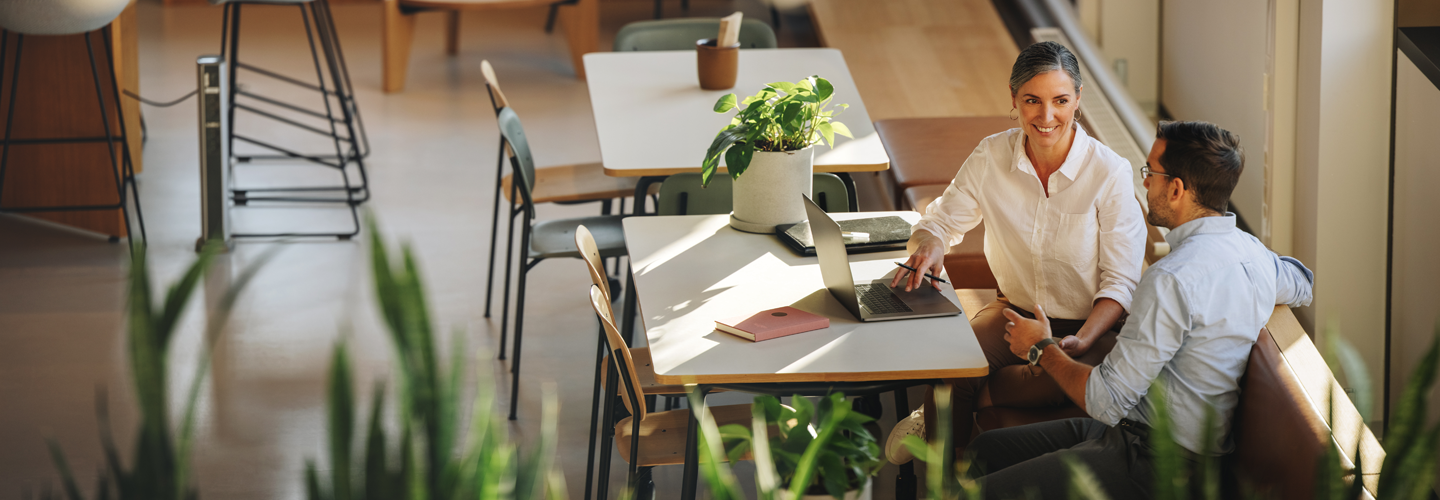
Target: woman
x,y
1064,233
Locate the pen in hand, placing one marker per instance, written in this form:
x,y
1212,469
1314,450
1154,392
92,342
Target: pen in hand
x,y
927,275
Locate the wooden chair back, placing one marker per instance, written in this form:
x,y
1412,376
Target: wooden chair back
x,y
497,98
630,390
590,253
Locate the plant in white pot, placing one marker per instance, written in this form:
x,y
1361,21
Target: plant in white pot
x,y
771,141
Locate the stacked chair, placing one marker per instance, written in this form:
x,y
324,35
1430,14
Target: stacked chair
x,y
339,120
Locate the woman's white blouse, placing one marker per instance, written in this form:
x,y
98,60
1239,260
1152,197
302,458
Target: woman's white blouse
x,y
1064,251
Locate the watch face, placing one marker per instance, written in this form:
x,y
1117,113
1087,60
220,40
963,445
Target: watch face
x,y
1034,354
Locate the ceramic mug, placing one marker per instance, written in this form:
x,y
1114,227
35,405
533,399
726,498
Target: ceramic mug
x,y
717,65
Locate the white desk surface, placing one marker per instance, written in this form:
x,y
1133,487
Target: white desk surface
x,y
653,118
692,270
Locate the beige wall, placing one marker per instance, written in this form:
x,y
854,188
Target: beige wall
x,y
1127,32
1213,62
1342,166
1415,303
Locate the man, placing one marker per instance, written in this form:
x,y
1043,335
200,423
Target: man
x,y
1195,316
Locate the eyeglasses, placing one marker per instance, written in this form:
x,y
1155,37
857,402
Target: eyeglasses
x,y
1145,171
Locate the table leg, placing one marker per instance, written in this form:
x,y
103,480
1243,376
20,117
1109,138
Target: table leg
x,y
692,451
642,192
906,484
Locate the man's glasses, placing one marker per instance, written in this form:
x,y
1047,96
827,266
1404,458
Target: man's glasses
x,y
1145,171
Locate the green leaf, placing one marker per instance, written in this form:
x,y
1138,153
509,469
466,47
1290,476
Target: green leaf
x,y
823,88
67,478
376,480
1083,483
341,421
737,159
723,141
726,103
841,129
827,131
786,87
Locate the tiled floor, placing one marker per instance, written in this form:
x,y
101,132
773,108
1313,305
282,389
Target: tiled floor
x,y
262,413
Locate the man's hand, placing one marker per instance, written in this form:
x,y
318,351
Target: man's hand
x,y
1022,332
927,255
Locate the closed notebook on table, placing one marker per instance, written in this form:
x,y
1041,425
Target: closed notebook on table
x,y
772,323
874,234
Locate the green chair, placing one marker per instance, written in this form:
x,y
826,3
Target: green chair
x,y
681,34
540,240
681,194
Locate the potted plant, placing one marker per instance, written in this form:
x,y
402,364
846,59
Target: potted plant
x,y
804,462
772,138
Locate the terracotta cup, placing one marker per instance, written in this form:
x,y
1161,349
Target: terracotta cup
x,y
717,65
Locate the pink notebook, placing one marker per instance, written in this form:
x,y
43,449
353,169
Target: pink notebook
x,y
772,323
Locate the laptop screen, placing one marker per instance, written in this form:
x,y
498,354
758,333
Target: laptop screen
x,y
834,262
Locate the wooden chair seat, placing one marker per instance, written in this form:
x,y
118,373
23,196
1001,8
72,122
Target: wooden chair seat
x,y
965,263
662,435
567,183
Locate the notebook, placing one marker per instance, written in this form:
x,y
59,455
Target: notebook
x,y
772,323
874,234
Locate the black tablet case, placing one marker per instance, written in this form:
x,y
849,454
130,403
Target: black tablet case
x,y
886,233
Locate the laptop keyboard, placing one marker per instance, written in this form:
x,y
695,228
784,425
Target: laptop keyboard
x,y
879,299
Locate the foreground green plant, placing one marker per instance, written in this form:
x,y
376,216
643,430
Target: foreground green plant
x,y
159,465
430,459
783,116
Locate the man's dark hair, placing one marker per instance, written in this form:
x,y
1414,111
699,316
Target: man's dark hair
x,y
1208,158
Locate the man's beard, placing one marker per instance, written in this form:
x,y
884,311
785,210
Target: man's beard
x,y
1160,214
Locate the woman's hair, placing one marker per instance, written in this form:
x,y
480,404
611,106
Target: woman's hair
x,y
1040,58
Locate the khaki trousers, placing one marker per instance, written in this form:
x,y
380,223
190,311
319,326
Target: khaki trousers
x,y
1012,381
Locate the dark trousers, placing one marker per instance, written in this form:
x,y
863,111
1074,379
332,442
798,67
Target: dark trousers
x,y
1030,461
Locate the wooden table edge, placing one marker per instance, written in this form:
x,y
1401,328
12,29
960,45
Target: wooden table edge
x,y
824,377
831,168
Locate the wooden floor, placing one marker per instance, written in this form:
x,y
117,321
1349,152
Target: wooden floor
x,y
262,412
922,58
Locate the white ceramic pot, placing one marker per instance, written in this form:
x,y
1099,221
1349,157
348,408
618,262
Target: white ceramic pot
x,y
58,17
768,192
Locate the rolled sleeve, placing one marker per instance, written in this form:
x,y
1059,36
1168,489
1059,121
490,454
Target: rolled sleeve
x,y
1148,341
1122,241
957,211
1294,283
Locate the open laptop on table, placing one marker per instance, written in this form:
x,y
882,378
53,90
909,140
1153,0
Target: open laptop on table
x,y
872,299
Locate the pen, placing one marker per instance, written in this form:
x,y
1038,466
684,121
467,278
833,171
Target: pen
x,y
927,275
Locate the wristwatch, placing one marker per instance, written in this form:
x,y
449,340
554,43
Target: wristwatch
x,y
1038,349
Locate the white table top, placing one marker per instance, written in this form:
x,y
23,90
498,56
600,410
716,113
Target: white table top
x,y
653,118
692,270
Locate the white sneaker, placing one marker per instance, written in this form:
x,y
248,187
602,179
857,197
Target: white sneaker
x,y
913,425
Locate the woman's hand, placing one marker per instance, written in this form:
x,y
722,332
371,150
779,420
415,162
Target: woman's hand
x,y
927,253
1075,346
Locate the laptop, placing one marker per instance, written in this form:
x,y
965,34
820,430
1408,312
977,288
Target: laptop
x,y
868,300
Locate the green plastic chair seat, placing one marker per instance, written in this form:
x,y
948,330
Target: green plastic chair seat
x,y
681,34
556,238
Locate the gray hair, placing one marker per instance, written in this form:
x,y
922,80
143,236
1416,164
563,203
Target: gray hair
x,y
1040,58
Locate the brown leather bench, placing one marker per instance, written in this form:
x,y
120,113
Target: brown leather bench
x,y
1279,434
925,154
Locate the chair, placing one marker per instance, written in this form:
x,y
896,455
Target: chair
x,y
540,241
69,17
681,194
647,439
681,34
339,120
563,184
640,355
398,20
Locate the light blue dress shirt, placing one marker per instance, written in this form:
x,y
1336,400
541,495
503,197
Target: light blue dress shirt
x,y
1196,313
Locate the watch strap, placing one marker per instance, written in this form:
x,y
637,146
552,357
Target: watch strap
x,y
1039,348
